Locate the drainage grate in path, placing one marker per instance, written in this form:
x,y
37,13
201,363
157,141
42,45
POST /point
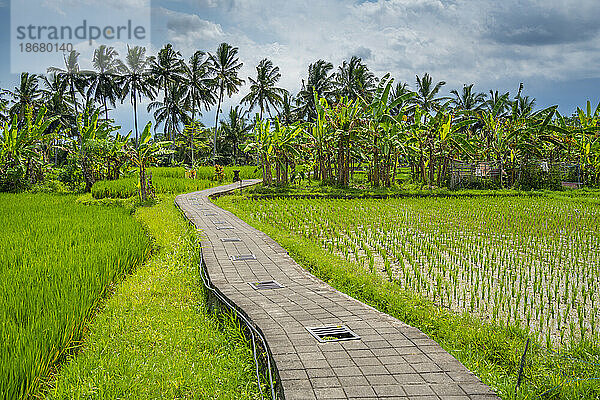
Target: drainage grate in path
x,y
243,257
230,239
332,333
220,228
265,285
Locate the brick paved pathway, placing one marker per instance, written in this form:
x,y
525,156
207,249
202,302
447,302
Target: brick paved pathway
x,y
390,360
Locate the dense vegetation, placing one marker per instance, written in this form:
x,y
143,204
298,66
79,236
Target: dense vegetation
x,y
480,275
156,337
57,127
58,259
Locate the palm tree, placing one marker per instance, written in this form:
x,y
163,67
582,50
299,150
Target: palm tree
x,y
25,96
354,80
467,100
288,114
104,87
426,93
3,106
71,75
320,82
234,130
497,102
199,83
398,92
523,106
224,66
57,102
136,80
167,67
263,91
172,111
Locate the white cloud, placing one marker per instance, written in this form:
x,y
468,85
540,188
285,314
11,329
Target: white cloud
x,y
459,41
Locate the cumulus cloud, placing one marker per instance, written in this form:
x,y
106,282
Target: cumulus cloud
x,y
459,41
533,24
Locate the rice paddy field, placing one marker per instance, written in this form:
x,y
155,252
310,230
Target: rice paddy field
x,y
530,262
58,260
170,181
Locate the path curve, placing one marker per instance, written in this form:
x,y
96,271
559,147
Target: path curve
x,y
391,360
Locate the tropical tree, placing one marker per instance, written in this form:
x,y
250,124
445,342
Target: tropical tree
x,y
427,92
263,92
89,148
22,149
72,76
104,84
398,91
166,69
143,155
344,118
288,113
233,131
224,66
195,138
57,101
354,80
495,98
199,84
319,81
284,141
25,96
381,130
172,111
136,80
261,142
467,100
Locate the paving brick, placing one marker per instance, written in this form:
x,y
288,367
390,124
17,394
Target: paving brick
x,y
329,393
359,391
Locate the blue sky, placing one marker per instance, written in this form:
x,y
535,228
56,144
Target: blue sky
x,y
552,46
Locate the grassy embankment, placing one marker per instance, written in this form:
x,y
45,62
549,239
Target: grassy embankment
x,y
155,338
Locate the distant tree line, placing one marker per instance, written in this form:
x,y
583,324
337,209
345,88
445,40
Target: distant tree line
x,y
340,119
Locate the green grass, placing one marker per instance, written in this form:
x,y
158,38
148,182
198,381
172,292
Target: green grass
x,y
155,338
322,235
170,180
246,172
128,187
58,259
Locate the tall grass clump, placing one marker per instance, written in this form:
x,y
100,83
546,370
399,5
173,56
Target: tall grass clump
x,y
57,261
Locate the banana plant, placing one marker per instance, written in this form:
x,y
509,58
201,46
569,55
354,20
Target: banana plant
x,y
261,142
320,134
285,141
22,147
344,119
145,154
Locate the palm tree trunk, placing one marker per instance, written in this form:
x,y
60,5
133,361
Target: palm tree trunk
x,y
216,124
134,97
193,129
73,96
